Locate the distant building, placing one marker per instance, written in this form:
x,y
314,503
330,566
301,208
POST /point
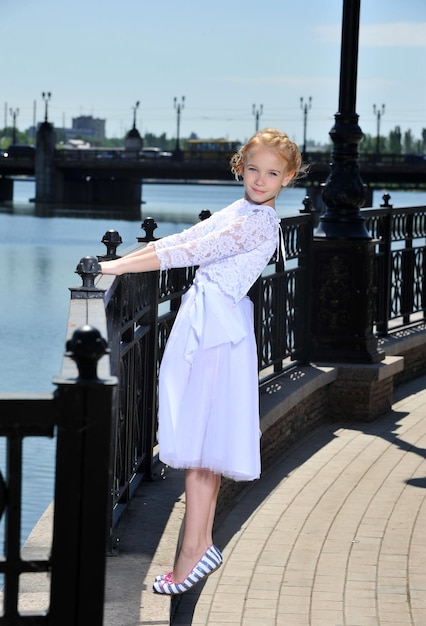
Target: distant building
x,y
85,126
88,126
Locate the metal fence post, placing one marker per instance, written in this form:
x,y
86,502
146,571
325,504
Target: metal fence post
x,y
83,479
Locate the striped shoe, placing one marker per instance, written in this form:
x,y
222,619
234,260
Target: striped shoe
x,y
209,562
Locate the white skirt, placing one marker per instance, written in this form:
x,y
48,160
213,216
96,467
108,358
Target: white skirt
x,y
208,386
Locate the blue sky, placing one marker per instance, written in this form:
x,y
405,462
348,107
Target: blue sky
x,y
99,57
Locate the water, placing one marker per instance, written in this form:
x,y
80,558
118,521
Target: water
x,y
39,257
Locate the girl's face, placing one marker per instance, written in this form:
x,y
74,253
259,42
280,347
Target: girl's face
x,y
264,175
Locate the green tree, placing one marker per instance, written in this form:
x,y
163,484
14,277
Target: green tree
x,y
395,136
159,141
6,136
408,142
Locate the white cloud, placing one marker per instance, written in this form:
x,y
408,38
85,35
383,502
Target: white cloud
x,y
386,35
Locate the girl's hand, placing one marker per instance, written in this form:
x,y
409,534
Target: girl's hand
x,y
108,267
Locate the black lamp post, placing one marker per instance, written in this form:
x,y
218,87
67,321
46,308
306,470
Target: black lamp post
x,y
343,251
378,112
14,113
135,108
257,113
46,95
179,106
305,106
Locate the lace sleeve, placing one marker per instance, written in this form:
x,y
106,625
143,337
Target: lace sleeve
x,y
189,234
243,234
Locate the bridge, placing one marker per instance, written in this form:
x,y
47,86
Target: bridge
x,y
105,176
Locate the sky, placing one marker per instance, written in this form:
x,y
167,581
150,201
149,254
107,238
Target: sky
x,y
230,60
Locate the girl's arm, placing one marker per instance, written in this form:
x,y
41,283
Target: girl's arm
x,y
144,260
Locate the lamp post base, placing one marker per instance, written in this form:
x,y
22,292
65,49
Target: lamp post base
x,y
343,292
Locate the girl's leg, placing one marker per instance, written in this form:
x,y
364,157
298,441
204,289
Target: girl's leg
x,y
201,490
213,511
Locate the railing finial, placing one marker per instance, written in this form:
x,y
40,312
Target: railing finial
x,y
204,214
111,240
86,347
88,269
386,197
148,225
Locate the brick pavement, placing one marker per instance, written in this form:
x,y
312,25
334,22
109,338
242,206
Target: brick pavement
x,y
332,536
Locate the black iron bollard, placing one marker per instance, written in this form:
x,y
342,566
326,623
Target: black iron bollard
x,y
86,347
148,225
111,240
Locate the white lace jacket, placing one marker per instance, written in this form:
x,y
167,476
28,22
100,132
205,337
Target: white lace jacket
x,y
231,248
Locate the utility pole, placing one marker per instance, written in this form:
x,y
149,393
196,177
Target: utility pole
x,y
378,113
257,113
305,106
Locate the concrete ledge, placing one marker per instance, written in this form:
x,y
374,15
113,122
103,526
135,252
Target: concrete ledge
x,y
411,344
404,340
370,372
284,393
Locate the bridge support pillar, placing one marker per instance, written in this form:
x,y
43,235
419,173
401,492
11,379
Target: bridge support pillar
x,y
103,192
48,178
6,190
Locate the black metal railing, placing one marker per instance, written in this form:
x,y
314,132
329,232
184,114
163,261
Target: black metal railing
x,y
400,265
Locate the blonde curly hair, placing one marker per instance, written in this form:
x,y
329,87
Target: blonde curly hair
x,y
269,138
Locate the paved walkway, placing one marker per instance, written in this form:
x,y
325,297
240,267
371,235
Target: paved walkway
x,y
334,535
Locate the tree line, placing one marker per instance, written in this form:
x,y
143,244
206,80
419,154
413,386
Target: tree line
x,y
397,142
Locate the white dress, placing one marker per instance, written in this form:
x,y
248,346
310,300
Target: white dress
x,y
208,382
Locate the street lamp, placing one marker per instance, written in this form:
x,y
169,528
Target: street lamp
x,y
14,113
135,108
46,95
257,113
378,113
305,106
179,106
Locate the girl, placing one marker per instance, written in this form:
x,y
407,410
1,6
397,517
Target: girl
x,y
208,382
